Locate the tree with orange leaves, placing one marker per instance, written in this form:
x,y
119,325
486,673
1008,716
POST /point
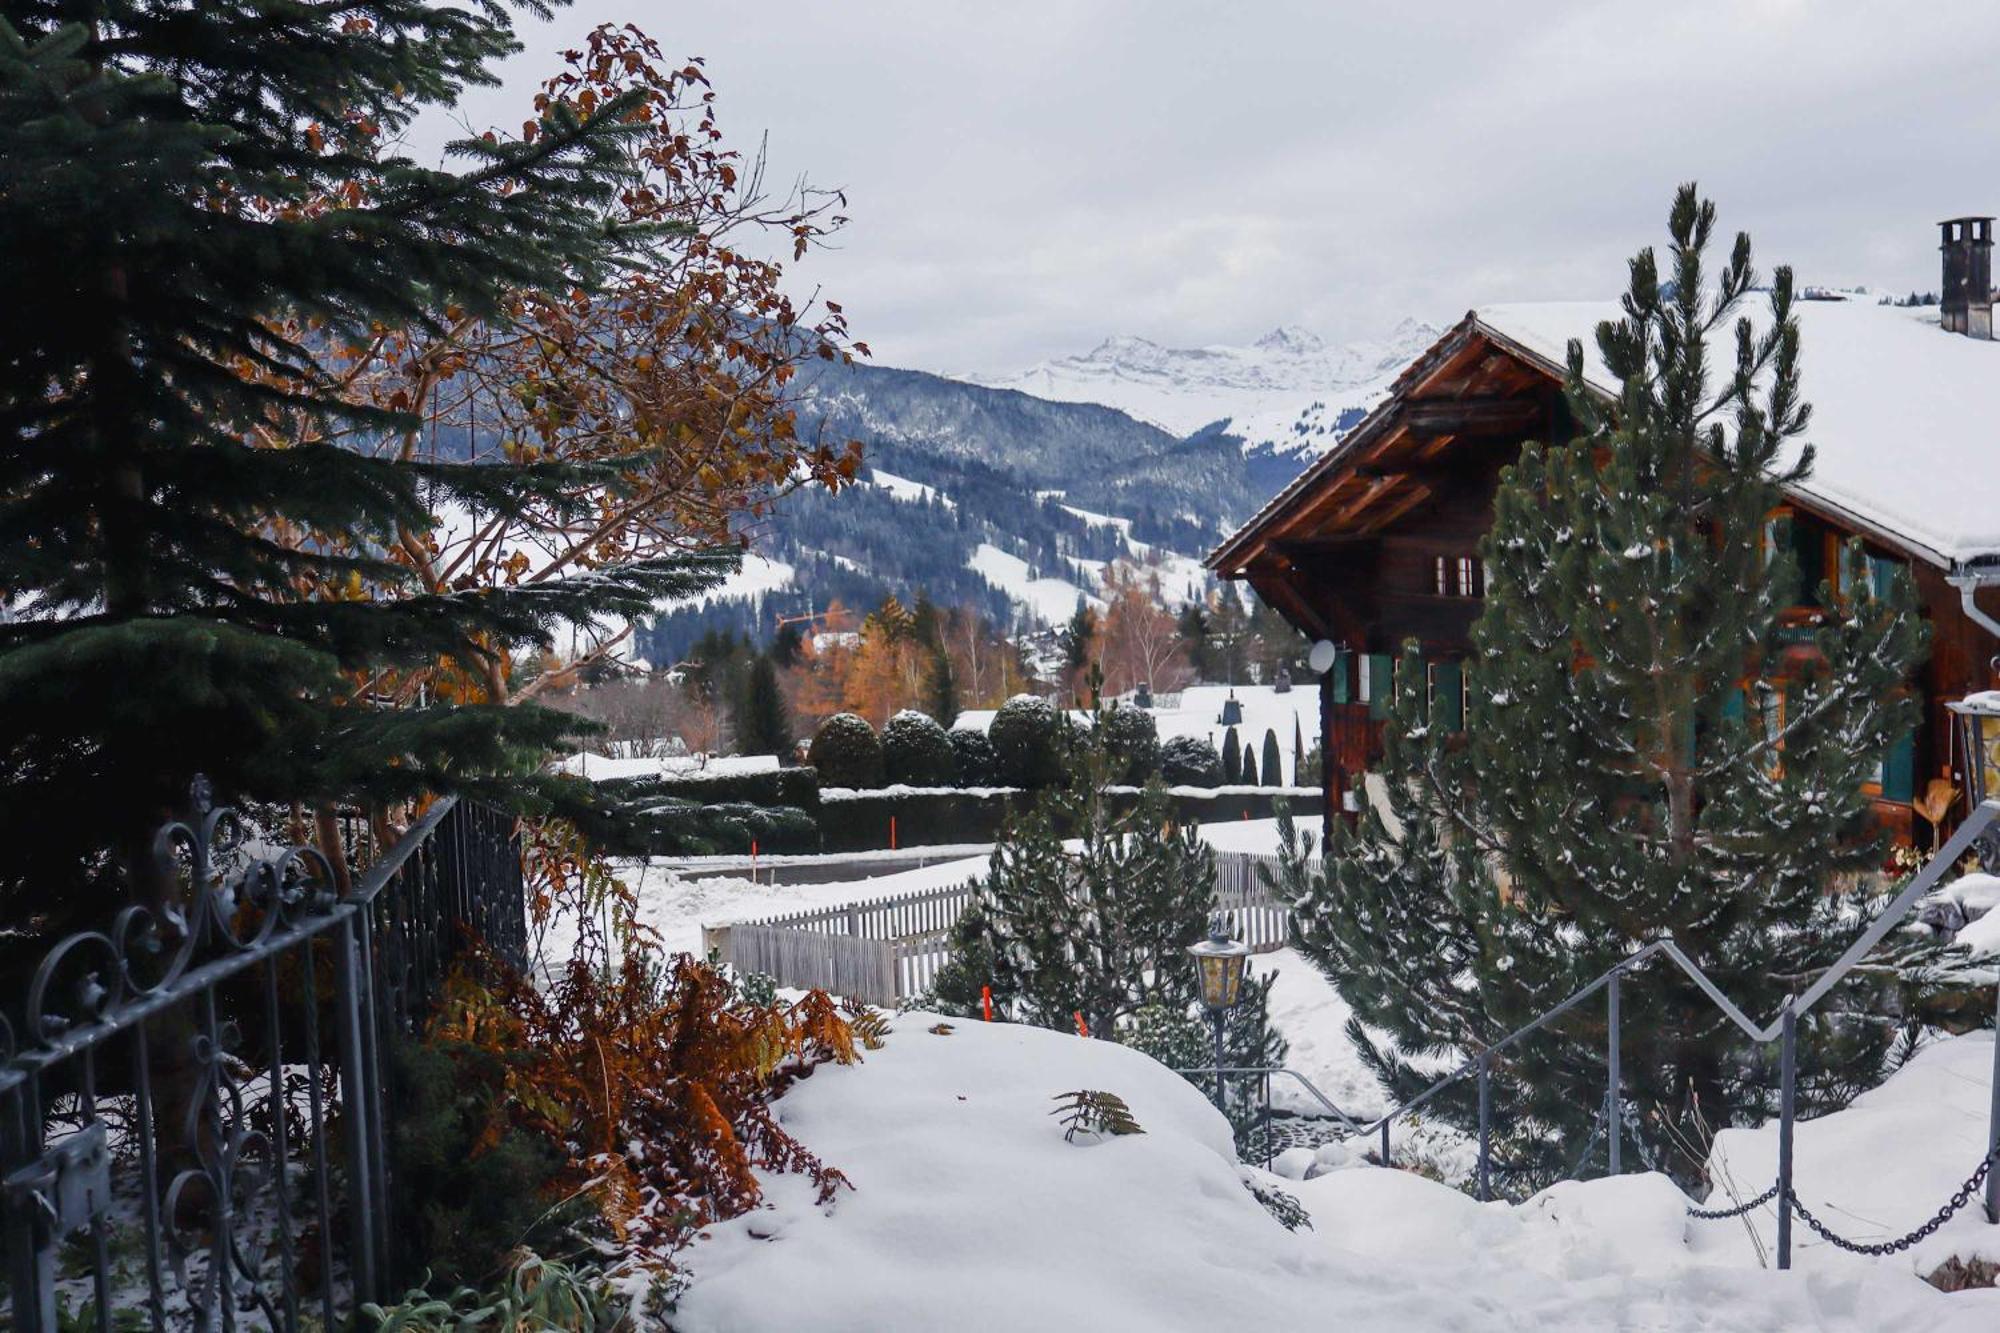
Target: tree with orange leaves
x,y
1141,639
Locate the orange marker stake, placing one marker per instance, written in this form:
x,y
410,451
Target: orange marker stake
x,y
892,833
1082,1028
986,1001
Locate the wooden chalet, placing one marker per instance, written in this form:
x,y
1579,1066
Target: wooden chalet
x,y
1376,543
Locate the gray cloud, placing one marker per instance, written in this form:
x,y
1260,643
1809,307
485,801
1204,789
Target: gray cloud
x,y
1026,178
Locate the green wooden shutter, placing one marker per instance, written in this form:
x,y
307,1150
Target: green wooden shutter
x,y
1448,695
1342,664
1899,769
1732,704
1809,549
1381,685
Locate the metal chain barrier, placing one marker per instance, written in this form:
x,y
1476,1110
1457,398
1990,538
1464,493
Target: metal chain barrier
x,y
1944,1214
1718,1214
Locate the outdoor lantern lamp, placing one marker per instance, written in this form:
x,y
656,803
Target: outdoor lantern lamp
x,y
1979,728
1219,963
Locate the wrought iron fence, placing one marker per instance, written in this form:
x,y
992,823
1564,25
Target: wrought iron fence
x,y
194,1100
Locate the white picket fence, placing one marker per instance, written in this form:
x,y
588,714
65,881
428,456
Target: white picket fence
x,y
882,950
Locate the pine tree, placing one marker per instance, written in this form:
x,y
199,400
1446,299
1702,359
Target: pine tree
x,y
177,191
1232,759
1645,755
1100,931
941,686
763,726
1273,768
1248,777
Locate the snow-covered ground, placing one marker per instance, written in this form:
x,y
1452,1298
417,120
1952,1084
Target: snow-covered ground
x,y
970,1211
1293,715
1304,1007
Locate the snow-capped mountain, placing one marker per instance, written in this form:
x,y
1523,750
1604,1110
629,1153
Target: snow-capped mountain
x,y
1289,391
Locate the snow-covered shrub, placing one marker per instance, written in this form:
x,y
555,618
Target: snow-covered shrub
x,y
916,751
1190,761
1288,1212
973,756
1132,739
1023,735
846,752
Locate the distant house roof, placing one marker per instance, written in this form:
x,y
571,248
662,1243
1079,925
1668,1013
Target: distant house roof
x,y
1905,424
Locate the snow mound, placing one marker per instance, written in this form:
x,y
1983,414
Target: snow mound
x,y
969,1211
1875,1170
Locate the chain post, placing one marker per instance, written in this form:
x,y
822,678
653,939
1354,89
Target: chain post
x,y
1385,1141
1788,1072
1485,1125
1993,1119
1615,1158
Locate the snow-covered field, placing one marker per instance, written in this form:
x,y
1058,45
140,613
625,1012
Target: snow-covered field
x,y
970,1211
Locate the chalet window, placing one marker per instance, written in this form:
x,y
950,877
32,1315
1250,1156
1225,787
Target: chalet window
x,y
1378,679
1447,695
1458,576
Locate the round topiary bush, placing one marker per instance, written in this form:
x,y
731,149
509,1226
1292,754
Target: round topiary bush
x,y
974,756
1190,761
1132,739
1024,743
846,752
916,751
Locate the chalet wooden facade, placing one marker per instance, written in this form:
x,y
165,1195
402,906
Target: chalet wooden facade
x,y
1376,543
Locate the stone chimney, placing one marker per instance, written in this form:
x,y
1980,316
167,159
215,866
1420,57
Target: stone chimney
x,y
1967,303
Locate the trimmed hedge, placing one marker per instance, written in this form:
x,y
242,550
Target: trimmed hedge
x,y
1190,761
860,822
974,756
1023,735
1132,738
846,752
796,787
916,752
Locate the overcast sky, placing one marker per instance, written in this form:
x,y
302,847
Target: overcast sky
x,y
1025,178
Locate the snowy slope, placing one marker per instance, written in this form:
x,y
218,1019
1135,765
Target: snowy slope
x,y
969,1211
1286,391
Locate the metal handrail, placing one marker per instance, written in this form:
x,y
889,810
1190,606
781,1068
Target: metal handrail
x,y
1305,1082
1782,1027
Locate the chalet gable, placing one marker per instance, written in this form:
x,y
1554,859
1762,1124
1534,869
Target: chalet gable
x,y
1906,429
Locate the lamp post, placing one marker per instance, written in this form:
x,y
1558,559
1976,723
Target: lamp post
x,y
1219,963
1979,730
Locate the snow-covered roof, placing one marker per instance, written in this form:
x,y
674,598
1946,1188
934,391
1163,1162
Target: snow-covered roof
x,y
1906,417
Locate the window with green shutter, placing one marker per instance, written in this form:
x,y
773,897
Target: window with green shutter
x,y
1809,549
1380,667
1448,695
1899,769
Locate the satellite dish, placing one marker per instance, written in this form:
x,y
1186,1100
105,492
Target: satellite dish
x,y
1322,656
